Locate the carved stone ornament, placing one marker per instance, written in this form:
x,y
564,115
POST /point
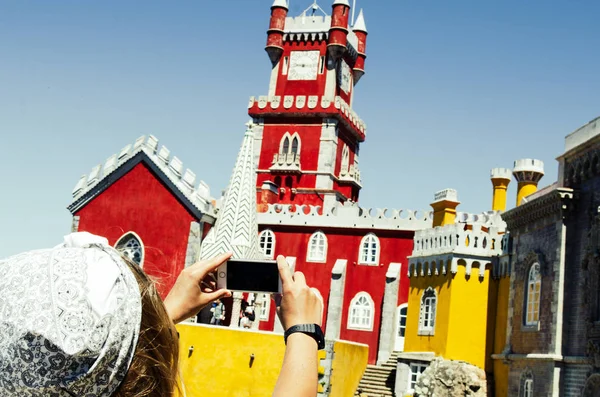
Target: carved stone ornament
x,y
275,102
288,101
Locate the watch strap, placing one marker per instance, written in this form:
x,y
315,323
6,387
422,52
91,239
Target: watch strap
x,y
312,330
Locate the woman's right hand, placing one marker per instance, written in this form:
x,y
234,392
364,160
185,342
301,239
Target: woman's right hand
x,y
299,303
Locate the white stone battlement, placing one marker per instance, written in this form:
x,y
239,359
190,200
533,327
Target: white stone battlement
x,y
307,24
582,135
347,215
438,248
171,166
529,165
501,173
446,195
308,103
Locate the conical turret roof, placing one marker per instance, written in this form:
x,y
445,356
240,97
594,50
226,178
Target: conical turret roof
x,y
360,25
236,229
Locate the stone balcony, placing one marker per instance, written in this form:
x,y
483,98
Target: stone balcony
x,y
286,162
351,174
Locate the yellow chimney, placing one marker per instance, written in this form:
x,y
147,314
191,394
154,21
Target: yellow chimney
x,y
501,178
528,173
444,207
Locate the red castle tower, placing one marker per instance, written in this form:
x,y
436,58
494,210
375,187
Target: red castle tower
x,y
308,135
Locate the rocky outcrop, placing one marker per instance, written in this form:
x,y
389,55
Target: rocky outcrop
x,y
444,378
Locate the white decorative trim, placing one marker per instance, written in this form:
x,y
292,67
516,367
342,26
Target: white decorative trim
x,y
184,181
267,234
348,215
532,325
353,302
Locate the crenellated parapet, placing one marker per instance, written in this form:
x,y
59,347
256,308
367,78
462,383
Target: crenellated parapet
x,y
347,215
476,240
323,106
184,180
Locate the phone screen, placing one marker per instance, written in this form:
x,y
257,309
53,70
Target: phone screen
x,y
253,276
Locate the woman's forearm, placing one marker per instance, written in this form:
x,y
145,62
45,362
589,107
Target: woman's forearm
x,y
299,373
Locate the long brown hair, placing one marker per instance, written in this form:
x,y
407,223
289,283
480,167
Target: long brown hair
x,y
153,371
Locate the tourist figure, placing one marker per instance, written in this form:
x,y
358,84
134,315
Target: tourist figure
x,y
218,312
99,321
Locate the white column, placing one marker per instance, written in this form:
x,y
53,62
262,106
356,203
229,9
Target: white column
x,y
387,337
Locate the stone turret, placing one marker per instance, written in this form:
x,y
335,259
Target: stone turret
x,y
528,173
501,178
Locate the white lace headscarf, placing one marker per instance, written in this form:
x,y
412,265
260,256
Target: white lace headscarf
x,y
69,320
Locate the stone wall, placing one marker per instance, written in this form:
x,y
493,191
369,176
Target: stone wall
x,y
542,373
445,378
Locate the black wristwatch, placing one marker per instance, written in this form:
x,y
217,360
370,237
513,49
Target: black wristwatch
x,y
312,330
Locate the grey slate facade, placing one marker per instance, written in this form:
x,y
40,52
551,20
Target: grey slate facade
x,y
559,229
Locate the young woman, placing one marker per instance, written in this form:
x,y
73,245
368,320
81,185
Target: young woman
x,y
81,320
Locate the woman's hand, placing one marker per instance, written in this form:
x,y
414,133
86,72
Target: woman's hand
x,y
299,303
194,289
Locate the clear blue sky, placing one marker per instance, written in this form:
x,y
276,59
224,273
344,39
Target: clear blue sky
x,y
453,89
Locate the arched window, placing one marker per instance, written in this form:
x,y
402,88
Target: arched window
x,y
285,147
526,387
534,287
267,243
317,248
131,246
427,312
295,144
369,250
362,312
345,160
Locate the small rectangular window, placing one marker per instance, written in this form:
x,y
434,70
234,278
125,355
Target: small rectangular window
x,y
286,62
415,373
322,65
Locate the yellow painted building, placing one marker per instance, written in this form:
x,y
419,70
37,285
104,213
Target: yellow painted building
x,y
459,284
224,362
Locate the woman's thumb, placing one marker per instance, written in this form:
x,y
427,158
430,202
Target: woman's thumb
x,y
222,293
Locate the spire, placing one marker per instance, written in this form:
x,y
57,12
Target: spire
x,y
236,229
280,3
360,25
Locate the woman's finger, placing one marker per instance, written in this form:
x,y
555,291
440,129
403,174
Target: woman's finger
x,y
284,272
201,269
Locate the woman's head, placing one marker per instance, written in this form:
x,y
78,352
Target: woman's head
x,y
77,320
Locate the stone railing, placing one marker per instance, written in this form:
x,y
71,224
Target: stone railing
x,y
307,104
455,239
347,215
286,162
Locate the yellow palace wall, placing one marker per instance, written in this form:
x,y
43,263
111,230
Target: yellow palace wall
x,y
220,364
465,317
501,369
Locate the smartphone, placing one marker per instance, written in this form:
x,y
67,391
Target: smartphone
x,y
261,276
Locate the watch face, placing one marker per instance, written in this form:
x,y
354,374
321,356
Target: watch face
x,y
304,65
345,77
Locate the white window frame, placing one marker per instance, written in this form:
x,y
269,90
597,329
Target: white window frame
x,y
345,163
355,322
533,295
428,312
528,388
416,370
290,138
267,233
265,307
124,239
312,253
364,253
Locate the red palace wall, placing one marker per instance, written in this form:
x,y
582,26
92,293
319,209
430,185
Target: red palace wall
x,y
344,244
160,220
301,87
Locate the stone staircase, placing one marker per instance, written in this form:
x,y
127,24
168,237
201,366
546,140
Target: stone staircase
x,y
379,381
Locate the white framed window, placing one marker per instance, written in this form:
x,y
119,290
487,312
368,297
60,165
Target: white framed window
x,y
526,387
317,248
266,240
369,250
362,312
416,370
290,144
265,307
427,312
532,303
130,245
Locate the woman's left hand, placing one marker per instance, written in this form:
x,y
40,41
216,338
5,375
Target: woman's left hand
x,y
194,289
